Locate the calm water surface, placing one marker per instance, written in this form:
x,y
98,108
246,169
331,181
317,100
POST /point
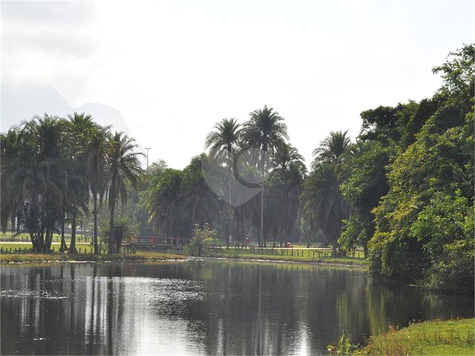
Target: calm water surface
x,y
197,307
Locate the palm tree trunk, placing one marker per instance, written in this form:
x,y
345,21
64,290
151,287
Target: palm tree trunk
x,y
72,246
262,217
96,248
230,218
18,222
64,247
111,226
12,221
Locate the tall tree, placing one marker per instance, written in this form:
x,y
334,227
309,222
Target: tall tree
x,y
34,180
223,144
200,204
288,176
331,148
10,159
165,205
366,184
79,131
265,131
122,166
96,172
324,205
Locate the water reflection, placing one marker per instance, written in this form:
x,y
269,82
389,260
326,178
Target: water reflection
x,y
201,308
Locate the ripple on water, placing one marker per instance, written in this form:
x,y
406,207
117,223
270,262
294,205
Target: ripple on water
x,y
33,294
167,296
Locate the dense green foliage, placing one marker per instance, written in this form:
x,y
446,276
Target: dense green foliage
x,y
424,224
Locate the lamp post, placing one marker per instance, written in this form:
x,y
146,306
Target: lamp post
x,y
147,148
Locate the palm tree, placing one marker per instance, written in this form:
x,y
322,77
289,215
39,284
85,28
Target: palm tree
x,y
200,203
223,143
123,166
285,155
323,204
95,171
34,179
80,130
10,155
287,179
165,205
265,131
331,148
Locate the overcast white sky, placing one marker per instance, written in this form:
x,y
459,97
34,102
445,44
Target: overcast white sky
x,y
175,68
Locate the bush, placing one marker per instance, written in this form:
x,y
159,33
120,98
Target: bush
x,y
202,237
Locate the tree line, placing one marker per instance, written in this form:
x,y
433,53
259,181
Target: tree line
x,y
55,170
403,190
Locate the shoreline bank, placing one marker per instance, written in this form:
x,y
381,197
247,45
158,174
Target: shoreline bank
x,y
148,257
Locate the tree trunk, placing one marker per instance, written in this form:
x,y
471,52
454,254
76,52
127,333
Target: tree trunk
x,y
262,216
63,247
96,248
18,222
12,221
72,245
230,210
111,225
334,248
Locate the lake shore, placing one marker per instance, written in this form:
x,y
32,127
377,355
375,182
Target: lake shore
x,y
146,257
30,258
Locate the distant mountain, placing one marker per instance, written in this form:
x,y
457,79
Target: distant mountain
x,y
22,102
105,116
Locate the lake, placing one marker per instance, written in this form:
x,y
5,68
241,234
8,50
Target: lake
x,y
203,307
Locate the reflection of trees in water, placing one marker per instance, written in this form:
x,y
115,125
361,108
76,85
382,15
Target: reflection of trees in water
x,y
214,308
390,304
249,309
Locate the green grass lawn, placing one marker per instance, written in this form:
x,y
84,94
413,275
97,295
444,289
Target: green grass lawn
x,y
451,337
24,247
24,237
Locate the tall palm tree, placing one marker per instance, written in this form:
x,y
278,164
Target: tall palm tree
x,y
123,166
34,179
80,129
323,203
223,143
96,171
10,155
331,148
265,131
287,179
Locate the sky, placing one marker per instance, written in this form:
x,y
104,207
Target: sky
x,y
176,68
